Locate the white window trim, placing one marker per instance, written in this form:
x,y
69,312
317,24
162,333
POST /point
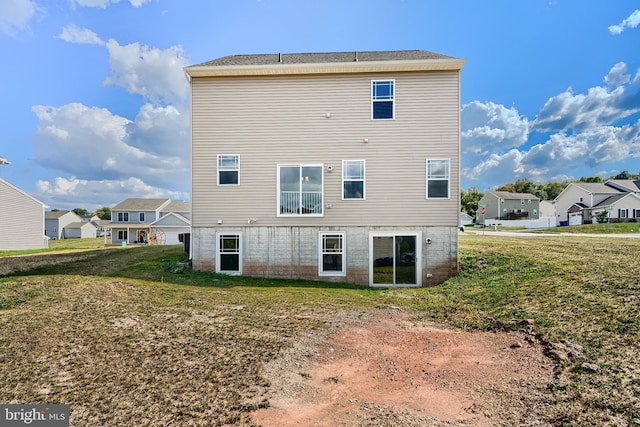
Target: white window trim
x,y
300,165
240,253
219,169
427,179
393,99
364,179
322,273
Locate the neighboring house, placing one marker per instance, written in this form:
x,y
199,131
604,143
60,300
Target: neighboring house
x,y
465,219
327,166
80,230
21,219
57,221
506,206
149,221
580,202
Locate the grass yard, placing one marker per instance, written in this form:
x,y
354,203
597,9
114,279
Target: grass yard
x,y
131,336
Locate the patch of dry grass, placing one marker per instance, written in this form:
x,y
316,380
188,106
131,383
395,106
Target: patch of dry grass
x,y
133,337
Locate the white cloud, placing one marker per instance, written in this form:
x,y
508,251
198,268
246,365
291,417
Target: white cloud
x,y
489,127
71,193
561,153
600,106
617,75
91,143
103,4
155,74
75,34
157,129
632,21
16,14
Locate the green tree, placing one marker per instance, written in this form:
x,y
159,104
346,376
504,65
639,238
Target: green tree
x,y
469,200
80,211
104,213
623,175
595,179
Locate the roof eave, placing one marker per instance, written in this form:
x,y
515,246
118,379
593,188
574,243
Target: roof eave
x,y
444,64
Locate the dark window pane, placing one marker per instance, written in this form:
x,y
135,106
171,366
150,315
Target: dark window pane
x,y
438,189
353,189
229,262
331,262
383,110
228,177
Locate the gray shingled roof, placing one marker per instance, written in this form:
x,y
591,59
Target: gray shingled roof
x,y
54,214
596,187
139,205
177,206
323,58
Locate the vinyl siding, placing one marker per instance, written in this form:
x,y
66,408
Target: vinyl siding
x,y
21,220
282,120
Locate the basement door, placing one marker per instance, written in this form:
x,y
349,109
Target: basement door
x,y
395,259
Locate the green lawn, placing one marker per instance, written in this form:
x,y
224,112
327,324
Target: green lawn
x,y
128,334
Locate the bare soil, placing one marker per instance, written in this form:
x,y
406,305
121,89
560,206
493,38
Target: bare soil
x,y
390,371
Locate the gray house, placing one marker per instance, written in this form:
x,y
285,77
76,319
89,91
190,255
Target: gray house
x,y
327,166
56,223
505,206
152,221
21,219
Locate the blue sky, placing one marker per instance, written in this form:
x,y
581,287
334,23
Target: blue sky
x,y
95,105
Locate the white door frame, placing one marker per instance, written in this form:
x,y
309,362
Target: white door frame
x,y
418,257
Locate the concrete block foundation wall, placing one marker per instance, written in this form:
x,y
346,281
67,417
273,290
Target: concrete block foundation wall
x,y
293,252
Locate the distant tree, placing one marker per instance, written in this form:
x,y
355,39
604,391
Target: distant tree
x,y
55,210
623,175
469,200
602,217
507,187
595,179
104,213
553,189
80,211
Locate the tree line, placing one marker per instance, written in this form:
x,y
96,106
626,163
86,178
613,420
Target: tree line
x,y
548,191
102,213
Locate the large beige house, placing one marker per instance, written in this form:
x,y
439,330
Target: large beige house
x,y
327,166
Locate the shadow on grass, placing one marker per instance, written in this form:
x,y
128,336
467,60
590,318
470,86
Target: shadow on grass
x,y
167,264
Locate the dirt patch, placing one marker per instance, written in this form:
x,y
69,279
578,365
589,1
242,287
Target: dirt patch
x,y
391,371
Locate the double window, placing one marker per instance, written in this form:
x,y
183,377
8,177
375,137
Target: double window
x,y
123,216
229,255
352,179
382,99
438,178
228,169
332,254
300,190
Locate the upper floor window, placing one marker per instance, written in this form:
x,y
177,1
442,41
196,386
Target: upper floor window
x,y
141,217
300,190
123,216
353,179
228,169
438,174
382,99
